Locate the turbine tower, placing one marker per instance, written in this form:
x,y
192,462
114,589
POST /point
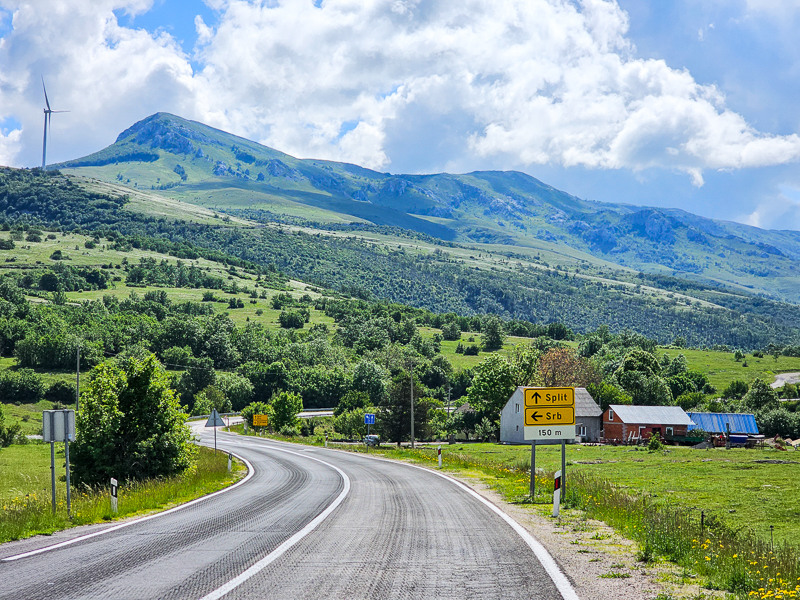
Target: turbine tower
x,y
47,113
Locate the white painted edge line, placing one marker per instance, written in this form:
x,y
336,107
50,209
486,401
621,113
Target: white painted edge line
x,y
547,561
81,538
280,550
545,558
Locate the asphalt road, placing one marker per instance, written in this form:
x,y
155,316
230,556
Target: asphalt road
x,y
308,523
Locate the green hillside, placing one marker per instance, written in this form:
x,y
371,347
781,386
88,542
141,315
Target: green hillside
x,y
411,268
193,163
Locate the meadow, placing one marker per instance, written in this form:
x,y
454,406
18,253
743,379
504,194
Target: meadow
x,y
25,496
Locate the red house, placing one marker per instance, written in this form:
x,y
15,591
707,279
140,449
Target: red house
x,y
625,423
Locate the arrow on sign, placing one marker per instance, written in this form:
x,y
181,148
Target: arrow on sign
x,y
535,416
536,396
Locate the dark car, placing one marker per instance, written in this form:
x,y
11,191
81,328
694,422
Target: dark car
x,y
372,440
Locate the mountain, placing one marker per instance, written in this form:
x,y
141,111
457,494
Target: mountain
x,y
195,163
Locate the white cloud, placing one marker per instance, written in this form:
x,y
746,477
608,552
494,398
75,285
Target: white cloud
x,y
529,82
777,212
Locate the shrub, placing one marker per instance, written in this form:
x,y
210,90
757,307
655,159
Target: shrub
x,y
289,431
130,425
256,408
654,445
291,319
451,331
735,390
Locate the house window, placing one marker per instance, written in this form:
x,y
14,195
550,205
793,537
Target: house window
x,y
582,431
669,430
516,406
610,414
517,427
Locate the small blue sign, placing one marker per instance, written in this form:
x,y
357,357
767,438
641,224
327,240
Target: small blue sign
x,y
369,419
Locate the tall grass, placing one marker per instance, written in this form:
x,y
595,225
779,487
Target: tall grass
x,y
738,561
32,514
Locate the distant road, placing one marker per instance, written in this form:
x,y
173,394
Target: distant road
x,y
783,378
310,523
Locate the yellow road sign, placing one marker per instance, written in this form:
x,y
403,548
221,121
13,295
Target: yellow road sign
x,y
550,415
260,420
547,397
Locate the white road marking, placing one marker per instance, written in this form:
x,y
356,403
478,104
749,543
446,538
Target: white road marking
x,y
547,561
137,521
560,580
280,550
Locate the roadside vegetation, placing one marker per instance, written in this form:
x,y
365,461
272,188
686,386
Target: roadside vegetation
x,y
26,498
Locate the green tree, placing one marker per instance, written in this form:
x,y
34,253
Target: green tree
x,y
237,389
760,396
130,425
606,394
208,399
352,400
394,420
493,334
371,379
451,331
285,408
494,382
735,390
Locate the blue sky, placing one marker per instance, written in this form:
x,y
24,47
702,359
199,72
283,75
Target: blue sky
x,y
681,104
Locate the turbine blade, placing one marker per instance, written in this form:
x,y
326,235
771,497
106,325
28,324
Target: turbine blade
x,y
46,101
59,111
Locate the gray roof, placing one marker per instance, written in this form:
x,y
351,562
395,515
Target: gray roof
x,y
651,415
585,406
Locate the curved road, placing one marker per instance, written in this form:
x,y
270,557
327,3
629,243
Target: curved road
x,y
308,523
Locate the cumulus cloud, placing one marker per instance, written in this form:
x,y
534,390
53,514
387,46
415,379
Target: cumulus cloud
x,y
518,82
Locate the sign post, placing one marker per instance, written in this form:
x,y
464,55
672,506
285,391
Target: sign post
x,y
58,426
260,420
114,488
549,415
369,419
214,420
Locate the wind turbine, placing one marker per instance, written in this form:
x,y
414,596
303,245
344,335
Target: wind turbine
x,y
47,113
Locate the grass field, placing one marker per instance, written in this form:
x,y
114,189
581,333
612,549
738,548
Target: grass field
x,y
25,495
722,369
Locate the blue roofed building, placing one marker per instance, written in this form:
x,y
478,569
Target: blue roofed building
x,y
715,423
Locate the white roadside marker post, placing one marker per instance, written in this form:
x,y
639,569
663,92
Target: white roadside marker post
x,y
440,456
114,488
557,494
229,462
326,440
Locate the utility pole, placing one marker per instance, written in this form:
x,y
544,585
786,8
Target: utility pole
x,y
411,370
78,378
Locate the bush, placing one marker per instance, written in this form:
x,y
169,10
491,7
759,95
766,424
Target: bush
x,y
654,445
289,431
291,319
130,425
471,350
60,392
256,408
22,385
736,390
451,331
